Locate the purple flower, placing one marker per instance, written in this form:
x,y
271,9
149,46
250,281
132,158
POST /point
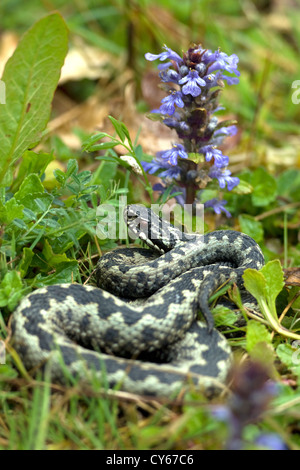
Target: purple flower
x,y
192,83
169,103
222,61
167,55
169,75
217,206
230,80
223,176
178,151
228,131
271,441
158,163
210,152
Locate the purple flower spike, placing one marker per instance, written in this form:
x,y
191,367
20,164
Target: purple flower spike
x,y
193,83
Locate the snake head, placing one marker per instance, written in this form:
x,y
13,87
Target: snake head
x,y
146,224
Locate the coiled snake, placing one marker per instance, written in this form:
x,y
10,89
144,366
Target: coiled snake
x,y
152,346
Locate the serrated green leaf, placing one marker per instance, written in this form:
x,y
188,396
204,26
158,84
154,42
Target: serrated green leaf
x,y
10,211
285,353
11,290
31,76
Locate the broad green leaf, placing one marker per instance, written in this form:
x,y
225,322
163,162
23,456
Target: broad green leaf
x,y
30,185
256,333
255,283
10,211
286,353
243,188
52,258
224,316
264,187
38,203
251,227
31,76
10,290
65,272
273,275
289,354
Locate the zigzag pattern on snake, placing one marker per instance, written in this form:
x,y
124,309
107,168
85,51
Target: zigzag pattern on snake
x,y
152,346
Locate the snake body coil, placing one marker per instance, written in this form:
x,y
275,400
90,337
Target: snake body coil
x,y
152,346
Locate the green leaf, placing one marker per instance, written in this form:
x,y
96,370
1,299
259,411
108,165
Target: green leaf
x,y
224,316
289,354
65,272
31,76
121,130
251,227
10,211
264,187
259,344
11,290
31,184
52,259
242,188
255,283
72,167
104,146
196,157
94,139
38,203
256,333
25,261
285,353
274,277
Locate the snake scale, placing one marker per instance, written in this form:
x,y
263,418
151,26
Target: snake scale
x,y
154,345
